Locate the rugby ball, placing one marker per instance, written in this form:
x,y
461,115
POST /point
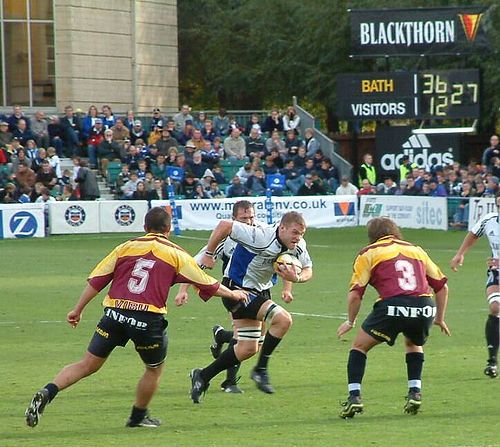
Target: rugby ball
x,y
287,259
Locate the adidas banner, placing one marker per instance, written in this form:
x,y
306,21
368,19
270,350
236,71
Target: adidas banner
x,y
426,151
318,211
422,31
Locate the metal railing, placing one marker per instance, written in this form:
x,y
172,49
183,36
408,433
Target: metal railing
x,y
328,146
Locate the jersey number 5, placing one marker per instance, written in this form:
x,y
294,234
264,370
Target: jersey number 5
x,y
408,281
140,276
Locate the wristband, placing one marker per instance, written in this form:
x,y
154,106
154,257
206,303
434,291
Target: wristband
x,y
209,253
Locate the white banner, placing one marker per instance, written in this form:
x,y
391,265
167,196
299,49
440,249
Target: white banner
x,y
122,215
318,211
478,207
74,217
22,220
406,211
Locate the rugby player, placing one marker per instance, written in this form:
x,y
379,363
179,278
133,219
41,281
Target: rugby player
x,y
251,268
402,274
141,272
489,225
244,212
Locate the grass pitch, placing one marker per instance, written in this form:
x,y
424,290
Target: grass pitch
x,y
42,279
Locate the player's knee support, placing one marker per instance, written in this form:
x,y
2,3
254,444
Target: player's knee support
x,y
494,301
249,333
274,310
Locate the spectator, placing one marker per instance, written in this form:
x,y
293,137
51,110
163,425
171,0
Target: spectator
x,y
495,169
436,189
346,188
199,122
70,127
255,145
273,122
22,133
120,132
54,161
181,162
452,184
219,175
89,121
461,215
233,124
138,132
140,192
156,119
221,123
159,191
236,189
5,135
293,179
69,194
291,120
310,188
318,158
199,193
208,132
254,123
275,142
108,119
269,166
209,154
301,157
182,118
40,157
17,115
95,138
56,134
411,188
406,167
171,157
122,178
142,169
39,127
292,143
18,158
367,170
245,172
130,185
235,147
215,192
184,136
425,190
45,197
256,183
197,140
133,157
130,122
86,179
492,187
312,145
8,194
366,188
188,185
197,166
308,167
388,187
107,151
31,150
329,173
165,142
493,150
25,195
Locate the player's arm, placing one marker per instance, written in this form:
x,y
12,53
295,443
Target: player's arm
x,y
220,232
74,316
457,260
441,297
354,298
182,295
286,293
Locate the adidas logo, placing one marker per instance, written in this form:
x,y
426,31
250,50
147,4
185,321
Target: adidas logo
x,y
418,148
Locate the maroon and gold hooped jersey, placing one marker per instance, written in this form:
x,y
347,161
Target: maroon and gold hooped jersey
x,y
396,268
142,270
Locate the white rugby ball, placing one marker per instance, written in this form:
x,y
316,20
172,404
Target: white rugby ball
x,y
287,259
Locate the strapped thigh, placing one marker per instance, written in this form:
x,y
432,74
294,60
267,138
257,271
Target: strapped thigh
x,y
493,298
249,333
271,312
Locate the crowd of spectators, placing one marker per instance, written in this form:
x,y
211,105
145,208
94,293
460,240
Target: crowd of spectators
x,y
194,152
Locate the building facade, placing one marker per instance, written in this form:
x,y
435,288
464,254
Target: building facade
x,y
123,53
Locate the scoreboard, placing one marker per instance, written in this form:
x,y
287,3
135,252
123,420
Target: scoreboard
x,y
427,94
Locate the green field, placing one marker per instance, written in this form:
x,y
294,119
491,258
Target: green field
x,y
41,280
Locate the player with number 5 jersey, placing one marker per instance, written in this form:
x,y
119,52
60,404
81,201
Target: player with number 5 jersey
x,y
141,272
403,275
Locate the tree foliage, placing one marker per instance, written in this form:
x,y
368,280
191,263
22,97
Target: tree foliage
x,y
250,54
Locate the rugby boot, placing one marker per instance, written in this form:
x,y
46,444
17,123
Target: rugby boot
x,y
146,421
230,386
351,406
413,402
491,370
198,385
261,378
36,407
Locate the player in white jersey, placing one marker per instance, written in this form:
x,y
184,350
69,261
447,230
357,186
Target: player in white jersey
x,y
244,212
251,268
489,225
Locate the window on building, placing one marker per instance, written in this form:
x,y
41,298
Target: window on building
x,y
27,66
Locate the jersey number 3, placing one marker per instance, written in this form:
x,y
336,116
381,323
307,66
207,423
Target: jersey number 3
x,y
140,276
408,281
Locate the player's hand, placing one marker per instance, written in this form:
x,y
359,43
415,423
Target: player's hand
x,y
73,318
181,298
206,261
286,296
344,328
241,296
456,261
444,327
493,263
288,272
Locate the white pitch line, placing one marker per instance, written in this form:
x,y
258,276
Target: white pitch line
x,y
335,317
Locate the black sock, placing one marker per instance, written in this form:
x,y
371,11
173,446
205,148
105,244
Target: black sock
x,y
233,370
355,371
492,337
414,365
269,345
53,389
223,336
224,361
138,414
